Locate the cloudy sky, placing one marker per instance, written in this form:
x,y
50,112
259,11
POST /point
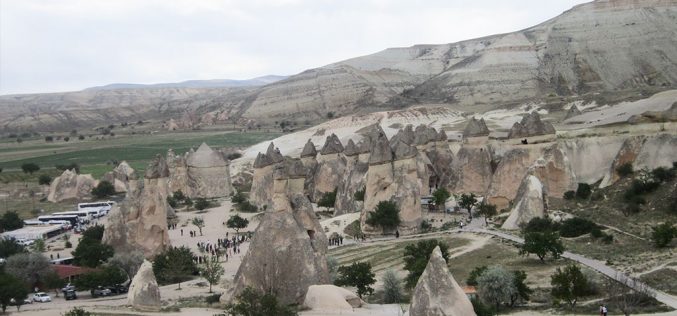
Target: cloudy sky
x,y
64,45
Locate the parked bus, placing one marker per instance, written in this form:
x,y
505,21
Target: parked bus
x,y
85,216
72,219
97,209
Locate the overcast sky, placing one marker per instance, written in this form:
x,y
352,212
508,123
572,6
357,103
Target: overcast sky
x,y
65,45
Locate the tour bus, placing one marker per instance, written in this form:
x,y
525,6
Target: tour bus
x,y
63,223
85,216
97,209
72,219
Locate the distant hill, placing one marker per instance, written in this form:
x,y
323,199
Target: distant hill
x,y
213,83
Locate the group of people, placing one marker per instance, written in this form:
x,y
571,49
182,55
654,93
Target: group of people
x,y
226,247
171,226
336,241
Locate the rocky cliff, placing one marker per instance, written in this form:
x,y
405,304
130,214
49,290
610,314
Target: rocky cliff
x,y
70,185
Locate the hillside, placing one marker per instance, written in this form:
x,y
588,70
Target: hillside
x,y
607,51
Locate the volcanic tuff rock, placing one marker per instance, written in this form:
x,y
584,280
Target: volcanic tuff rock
x,y
627,154
658,151
123,177
531,125
144,293
141,222
573,111
531,202
309,150
555,171
332,145
70,185
471,170
351,149
329,297
209,172
476,128
510,170
330,169
669,115
405,135
287,254
262,181
437,293
355,181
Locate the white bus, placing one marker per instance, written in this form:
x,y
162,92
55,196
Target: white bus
x,y
84,216
96,209
72,219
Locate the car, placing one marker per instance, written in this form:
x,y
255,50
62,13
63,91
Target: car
x,y
25,242
117,289
41,297
70,295
12,301
100,291
68,287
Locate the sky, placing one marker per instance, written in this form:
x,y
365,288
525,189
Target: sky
x,y
67,45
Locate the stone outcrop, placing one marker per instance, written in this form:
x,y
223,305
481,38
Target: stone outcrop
x,y
140,223
203,173
442,158
355,181
471,170
144,293
308,158
70,185
437,293
591,157
510,170
476,128
658,151
573,111
332,145
330,169
123,177
669,115
309,150
262,181
627,154
555,171
530,126
327,297
531,202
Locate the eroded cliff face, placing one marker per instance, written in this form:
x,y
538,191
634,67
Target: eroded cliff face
x,y
531,202
204,173
70,185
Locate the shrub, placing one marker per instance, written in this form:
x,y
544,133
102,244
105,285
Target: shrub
x,y
625,170
425,226
327,200
201,204
49,138
574,227
252,302
234,156
68,244
386,215
358,275
66,139
10,221
81,137
540,224
179,196
30,167
663,234
172,201
392,289
416,257
103,189
238,197
482,309
583,192
211,299
569,195
663,174
77,311
44,179
359,195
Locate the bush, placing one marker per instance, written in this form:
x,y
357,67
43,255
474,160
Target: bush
x,y
425,226
625,170
30,167
201,204
179,196
234,156
663,174
327,200
68,244
386,215
44,179
574,227
359,195
66,139
416,257
49,138
540,225
211,299
81,137
252,302
392,289
663,234
103,189
569,195
481,309
358,275
583,192
10,221
172,201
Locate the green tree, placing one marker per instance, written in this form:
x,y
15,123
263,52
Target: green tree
x,y
9,247
10,221
486,210
625,170
540,225
11,288
569,284
238,197
254,303
416,257
474,274
39,245
179,196
440,197
359,194
541,244
663,174
174,265
663,234
482,309
386,215
30,268
358,275
327,200
569,195
90,252
496,285
583,191
523,291
103,189
172,202
94,232
77,311
106,276
212,271
52,281
467,201
44,179
30,167
199,223
236,222
129,262
392,288
201,204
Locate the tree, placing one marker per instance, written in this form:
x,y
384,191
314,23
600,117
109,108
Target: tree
x,y
254,303
30,167
81,137
11,288
106,276
474,274
523,291
54,282
44,179
179,196
542,243
416,257
10,221
94,232
9,247
172,202
327,200
19,140
359,275
90,252
103,189
583,191
569,195
625,170
440,197
77,311
496,285
49,138
487,210
199,223
201,204
212,271
663,234
238,197
66,139
39,245
30,268
663,174
236,222
386,215
174,265
467,201
540,225
569,284
359,194
392,289
627,294
129,262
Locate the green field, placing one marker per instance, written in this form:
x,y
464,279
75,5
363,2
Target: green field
x,y
95,156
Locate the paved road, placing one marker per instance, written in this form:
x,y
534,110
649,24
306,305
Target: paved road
x,y
597,265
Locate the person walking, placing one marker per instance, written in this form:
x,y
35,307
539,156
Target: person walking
x,y
604,311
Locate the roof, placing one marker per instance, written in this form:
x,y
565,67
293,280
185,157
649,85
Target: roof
x,y
66,271
31,232
469,289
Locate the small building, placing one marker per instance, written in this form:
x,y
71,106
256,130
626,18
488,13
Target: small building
x,y
34,232
69,272
470,292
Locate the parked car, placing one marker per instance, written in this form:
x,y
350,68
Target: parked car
x,y
100,291
117,289
41,297
68,287
70,295
12,301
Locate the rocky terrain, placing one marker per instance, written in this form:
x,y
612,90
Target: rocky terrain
x,y
603,50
